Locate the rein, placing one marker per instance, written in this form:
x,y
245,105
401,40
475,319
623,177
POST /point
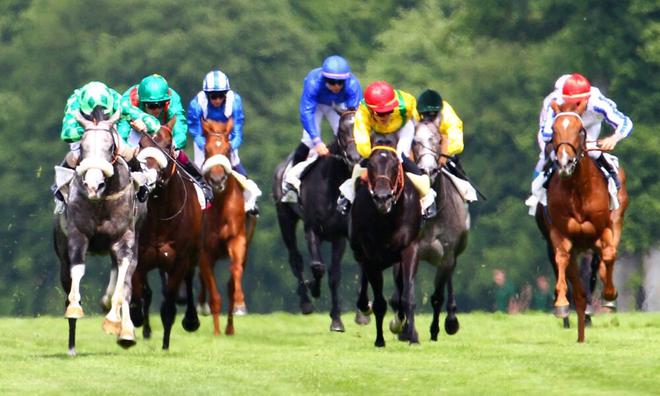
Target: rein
x,y
183,205
397,188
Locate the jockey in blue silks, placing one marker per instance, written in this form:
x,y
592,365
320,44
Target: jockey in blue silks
x,y
216,101
328,91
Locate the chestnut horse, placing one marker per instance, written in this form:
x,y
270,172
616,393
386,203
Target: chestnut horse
x,y
227,230
170,237
385,223
578,216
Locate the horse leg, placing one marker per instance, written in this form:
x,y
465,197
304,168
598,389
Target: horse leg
x,y
608,255
209,283
437,299
334,278
409,261
237,249
146,306
562,259
110,289
585,272
287,221
203,307
398,323
578,295
122,254
168,306
190,321
65,278
317,266
77,246
363,305
451,321
375,277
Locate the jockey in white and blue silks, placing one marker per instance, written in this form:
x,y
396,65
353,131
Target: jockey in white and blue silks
x,y
217,102
327,92
545,107
575,89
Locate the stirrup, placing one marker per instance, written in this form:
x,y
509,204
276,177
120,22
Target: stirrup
x,y
343,205
430,212
254,211
142,193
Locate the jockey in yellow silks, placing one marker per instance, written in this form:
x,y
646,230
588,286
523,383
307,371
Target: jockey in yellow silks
x,y
387,114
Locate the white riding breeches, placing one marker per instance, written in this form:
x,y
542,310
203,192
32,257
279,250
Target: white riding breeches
x,y
322,111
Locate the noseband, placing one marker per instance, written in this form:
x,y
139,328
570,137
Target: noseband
x,y
397,186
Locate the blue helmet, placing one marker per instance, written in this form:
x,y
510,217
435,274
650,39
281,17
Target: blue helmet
x,y
215,81
336,68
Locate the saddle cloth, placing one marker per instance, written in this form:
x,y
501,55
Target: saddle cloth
x,y
467,191
539,193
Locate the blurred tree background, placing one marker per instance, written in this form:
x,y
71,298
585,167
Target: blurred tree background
x,y
493,61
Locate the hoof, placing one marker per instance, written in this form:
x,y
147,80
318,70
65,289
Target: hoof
x,y
203,309
566,323
240,309
306,308
105,303
111,327
610,297
561,311
361,318
589,310
396,325
229,330
74,311
587,320
126,339
146,333
611,305
434,336
379,343
451,326
337,326
72,352
190,325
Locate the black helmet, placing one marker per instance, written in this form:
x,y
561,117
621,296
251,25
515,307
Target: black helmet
x,y
429,101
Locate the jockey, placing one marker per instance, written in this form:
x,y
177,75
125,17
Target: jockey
x,y
153,96
431,106
217,101
388,114
327,92
85,99
577,88
552,96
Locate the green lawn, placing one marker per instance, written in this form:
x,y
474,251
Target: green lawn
x,y
285,354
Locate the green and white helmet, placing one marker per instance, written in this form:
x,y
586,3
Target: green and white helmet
x,y
96,94
153,88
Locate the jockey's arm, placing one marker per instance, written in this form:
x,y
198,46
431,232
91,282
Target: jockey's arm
x,y
307,110
180,131
72,131
362,131
622,123
236,135
452,129
194,123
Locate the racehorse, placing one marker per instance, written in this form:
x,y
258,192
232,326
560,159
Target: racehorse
x,y
227,230
317,205
101,218
170,237
444,237
578,217
384,228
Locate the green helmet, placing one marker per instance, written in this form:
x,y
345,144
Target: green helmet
x,y
429,101
153,88
96,94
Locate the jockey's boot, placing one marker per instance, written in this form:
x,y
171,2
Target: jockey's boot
x,y
139,174
456,168
289,194
301,153
602,162
343,205
431,211
254,211
194,171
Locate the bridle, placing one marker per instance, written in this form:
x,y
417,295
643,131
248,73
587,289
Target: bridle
x,y
396,186
579,151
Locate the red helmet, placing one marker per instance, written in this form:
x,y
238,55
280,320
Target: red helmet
x,y
380,97
576,88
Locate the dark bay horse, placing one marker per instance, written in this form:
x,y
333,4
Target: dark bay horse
x,y
445,236
316,208
385,222
101,218
170,237
227,230
578,217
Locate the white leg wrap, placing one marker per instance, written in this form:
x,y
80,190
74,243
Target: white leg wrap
x,y
114,315
77,272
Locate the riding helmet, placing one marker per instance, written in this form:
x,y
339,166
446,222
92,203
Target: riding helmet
x,y
576,88
380,97
429,101
215,81
335,67
96,94
153,88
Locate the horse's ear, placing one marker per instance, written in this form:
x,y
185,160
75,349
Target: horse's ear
x,y
115,117
555,106
82,120
171,122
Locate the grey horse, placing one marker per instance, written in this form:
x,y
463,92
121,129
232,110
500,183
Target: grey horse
x,y
444,237
101,217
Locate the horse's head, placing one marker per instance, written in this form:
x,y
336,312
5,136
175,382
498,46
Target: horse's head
x,y
153,150
385,177
426,147
217,167
568,137
98,151
345,140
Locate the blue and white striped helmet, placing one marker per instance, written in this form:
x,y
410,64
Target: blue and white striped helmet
x,y
215,81
336,68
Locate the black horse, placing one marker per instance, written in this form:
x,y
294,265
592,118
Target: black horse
x,y
317,204
385,222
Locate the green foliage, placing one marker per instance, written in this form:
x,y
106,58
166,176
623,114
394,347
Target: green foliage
x,y
493,61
